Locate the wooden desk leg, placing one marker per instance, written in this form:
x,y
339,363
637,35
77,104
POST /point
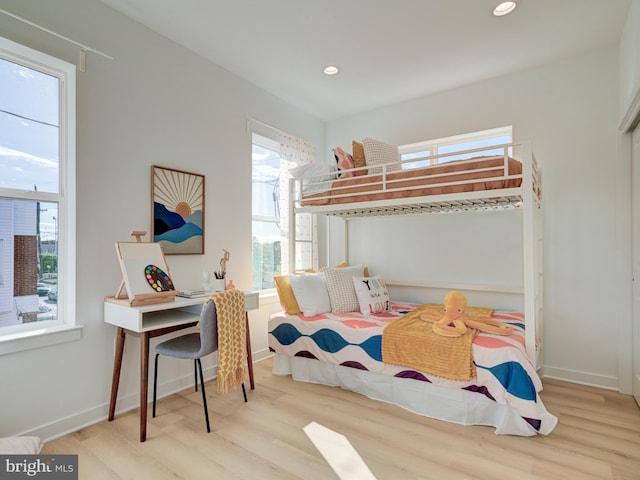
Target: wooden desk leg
x,y
249,356
117,367
144,383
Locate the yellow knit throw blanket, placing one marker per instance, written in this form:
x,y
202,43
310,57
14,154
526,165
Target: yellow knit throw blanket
x,y
411,342
232,338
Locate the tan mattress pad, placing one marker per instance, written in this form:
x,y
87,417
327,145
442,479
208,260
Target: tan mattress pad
x,y
478,174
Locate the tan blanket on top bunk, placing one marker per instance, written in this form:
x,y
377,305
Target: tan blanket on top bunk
x,y
411,342
478,174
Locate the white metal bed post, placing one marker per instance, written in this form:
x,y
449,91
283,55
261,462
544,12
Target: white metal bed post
x,y
345,247
345,238
530,262
293,193
539,236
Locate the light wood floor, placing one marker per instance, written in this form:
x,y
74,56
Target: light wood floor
x,y
598,436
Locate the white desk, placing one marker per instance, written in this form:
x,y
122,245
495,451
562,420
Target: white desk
x,y
148,321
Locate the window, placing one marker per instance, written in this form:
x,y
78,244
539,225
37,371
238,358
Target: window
x,y
269,185
443,150
37,192
270,219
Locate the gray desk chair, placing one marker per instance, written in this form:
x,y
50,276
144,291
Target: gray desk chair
x,y
193,346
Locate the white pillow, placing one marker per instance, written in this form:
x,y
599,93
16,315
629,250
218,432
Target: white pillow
x,y
20,445
342,293
321,173
377,153
372,294
311,293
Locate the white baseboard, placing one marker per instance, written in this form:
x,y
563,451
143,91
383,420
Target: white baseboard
x,y
261,355
582,378
99,413
80,420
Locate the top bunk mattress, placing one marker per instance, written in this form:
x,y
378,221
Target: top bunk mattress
x,y
473,175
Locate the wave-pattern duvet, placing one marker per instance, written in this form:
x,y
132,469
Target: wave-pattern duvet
x,y
504,373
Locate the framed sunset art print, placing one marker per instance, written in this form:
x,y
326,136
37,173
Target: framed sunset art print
x,y
177,210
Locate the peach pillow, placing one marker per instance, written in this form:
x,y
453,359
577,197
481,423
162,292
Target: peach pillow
x,y
358,157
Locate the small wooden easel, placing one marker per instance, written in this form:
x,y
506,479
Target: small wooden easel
x,y
130,297
137,234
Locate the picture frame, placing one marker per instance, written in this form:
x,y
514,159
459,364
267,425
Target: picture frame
x,y
177,210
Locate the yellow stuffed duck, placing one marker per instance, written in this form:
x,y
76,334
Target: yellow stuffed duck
x,y
454,321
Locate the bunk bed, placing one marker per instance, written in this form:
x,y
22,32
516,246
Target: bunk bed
x,y
481,183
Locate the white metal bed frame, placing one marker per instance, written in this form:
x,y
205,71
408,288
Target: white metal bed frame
x,y
525,198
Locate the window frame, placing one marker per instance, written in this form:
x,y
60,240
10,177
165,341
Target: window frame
x,y
272,144
434,145
14,338
267,141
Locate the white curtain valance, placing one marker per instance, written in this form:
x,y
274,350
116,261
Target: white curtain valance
x,y
296,150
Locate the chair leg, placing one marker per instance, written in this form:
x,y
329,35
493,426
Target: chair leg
x,y
244,392
204,396
195,372
155,384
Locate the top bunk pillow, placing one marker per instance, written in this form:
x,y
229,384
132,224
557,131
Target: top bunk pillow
x,y
321,173
342,293
358,157
311,293
344,161
377,153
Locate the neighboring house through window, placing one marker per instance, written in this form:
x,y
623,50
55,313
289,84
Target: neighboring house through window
x,y
37,192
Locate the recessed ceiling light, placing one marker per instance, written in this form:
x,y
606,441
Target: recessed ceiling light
x,y
504,8
331,70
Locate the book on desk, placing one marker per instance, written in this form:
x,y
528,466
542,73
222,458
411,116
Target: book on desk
x,y
195,293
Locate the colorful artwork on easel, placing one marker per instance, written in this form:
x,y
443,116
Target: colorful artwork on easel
x,y
178,211
158,279
145,273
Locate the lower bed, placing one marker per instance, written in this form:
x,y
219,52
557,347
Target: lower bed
x,y
345,350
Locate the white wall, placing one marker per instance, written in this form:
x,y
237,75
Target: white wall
x,y
569,111
629,54
630,57
155,103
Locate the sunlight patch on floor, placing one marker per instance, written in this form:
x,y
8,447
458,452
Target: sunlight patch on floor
x,y
338,452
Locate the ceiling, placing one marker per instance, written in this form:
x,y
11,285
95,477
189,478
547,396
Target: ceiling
x,y
389,51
